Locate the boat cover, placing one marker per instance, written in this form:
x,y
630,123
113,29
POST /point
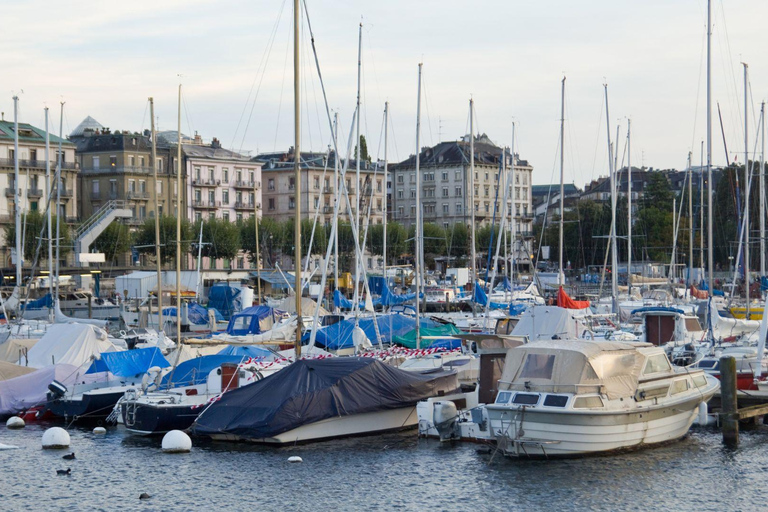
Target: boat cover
x,y
225,298
547,322
43,302
478,295
29,390
312,390
12,350
339,335
11,371
129,363
196,314
252,320
245,351
409,339
195,371
72,343
564,301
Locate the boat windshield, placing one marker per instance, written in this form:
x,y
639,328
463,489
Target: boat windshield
x,y
538,366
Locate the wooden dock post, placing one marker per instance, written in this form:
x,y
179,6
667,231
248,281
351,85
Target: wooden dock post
x,y
729,416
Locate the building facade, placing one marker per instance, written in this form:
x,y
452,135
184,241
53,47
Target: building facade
x,y
33,195
318,188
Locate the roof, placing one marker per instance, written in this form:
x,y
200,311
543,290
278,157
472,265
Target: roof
x,y
281,161
213,153
28,134
275,277
87,124
542,190
457,153
104,142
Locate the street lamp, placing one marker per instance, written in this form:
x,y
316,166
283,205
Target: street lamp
x,y
730,263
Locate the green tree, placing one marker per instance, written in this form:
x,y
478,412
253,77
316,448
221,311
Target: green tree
x,y
113,241
364,156
145,237
318,242
36,225
458,240
221,239
658,192
271,240
434,239
483,237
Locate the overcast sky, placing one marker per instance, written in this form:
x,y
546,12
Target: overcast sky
x,y
105,58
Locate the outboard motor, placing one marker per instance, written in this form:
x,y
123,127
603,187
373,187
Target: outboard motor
x,y
56,390
131,342
446,419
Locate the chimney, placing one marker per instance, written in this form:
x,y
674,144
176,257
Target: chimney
x,y
215,143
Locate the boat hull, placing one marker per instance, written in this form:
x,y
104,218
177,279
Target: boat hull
x,y
371,423
536,433
155,419
89,406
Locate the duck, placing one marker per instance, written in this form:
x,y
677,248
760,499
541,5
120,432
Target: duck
x,y
64,471
69,456
144,496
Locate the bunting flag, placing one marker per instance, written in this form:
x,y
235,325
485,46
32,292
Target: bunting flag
x,y
564,301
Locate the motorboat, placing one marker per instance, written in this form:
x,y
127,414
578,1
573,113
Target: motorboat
x,y
746,364
577,397
319,399
75,304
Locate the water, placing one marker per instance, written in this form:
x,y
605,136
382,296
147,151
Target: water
x,y
389,472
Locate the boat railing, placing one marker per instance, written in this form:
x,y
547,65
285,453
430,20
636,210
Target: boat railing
x,y
552,388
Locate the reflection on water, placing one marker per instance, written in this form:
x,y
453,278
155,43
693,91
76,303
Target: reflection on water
x,y
382,472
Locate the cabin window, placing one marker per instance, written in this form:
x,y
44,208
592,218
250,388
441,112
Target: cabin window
x,y
712,364
587,402
700,381
503,397
526,399
538,366
555,400
692,325
678,386
656,364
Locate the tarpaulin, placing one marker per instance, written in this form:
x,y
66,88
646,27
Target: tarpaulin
x,y
252,320
312,390
73,344
478,295
246,351
409,338
129,363
224,298
339,335
196,314
195,371
564,301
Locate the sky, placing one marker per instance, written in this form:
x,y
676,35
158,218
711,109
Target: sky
x,y
234,60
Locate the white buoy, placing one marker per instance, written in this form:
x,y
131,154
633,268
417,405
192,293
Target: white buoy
x,y
99,431
15,422
295,459
56,437
176,441
7,447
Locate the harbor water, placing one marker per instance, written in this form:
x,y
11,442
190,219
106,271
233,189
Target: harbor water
x,y
388,472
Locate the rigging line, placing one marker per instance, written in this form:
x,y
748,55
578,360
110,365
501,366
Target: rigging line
x,y
549,199
597,139
724,63
381,132
394,139
572,148
282,90
429,118
314,94
305,111
263,62
186,113
373,62
702,61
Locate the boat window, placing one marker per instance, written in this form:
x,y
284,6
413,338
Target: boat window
x,y
538,366
712,364
503,397
692,325
587,402
555,400
526,399
678,387
699,381
656,364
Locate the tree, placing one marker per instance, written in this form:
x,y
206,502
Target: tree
x,y
434,239
658,192
36,225
364,157
145,237
318,242
221,239
271,238
113,241
458,240
483,237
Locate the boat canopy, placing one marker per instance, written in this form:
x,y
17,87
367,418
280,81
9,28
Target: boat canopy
x,y
548,322
195,371
225,298
252,320
129,363
311,390
196,314
72,343
657,309
409,339
339,335
251,351
575,366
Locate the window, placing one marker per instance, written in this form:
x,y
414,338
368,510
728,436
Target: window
x,y
316,182
445,191
400,193
251,199
413,194
413,178
159,164
503,397
486,176
400,178
225,197
33,154
457,175
142,186
210,174
525,179
159,187
555,401
413,209
131,162
95,188
458,191
678,386
587,402
400,211
526,398
142,211
657,363
131,185
240,263
225,175
198,217
198,196
211,215
239,217
487,191
487,208
95,163
197,174
317,202
378,185
112,161
251,175
113,188
538,366
459,208
160,209
291,203
445,208
225,215
239,174
271,184
445,175
517,179
291,183
429,192
211,197
141,161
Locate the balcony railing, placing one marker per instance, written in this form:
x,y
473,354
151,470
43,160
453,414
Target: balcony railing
x,y
10,192
133,195
327,209
243,205
206,183
206,204
66,192
34,193
131,169
35,164
245,184
328,190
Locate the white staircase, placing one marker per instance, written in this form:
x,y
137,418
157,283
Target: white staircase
x,y
98,222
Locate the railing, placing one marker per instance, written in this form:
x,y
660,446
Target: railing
x,y
245,184
97,216
133,195
66,192
10,192
328,190
133,169
327,209
35,164
72,219
206,183
206,204
34,193
242,205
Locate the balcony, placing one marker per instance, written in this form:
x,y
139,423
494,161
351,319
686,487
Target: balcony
x,y
10,192
126,169
134,195
240,205
72,219
35,164
206,183
327,209
64,193
250,185
327,190
206,205
524,216
34,193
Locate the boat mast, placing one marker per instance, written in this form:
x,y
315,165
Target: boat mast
x,y
472,198
297,171
612,174
629,209
157,222
560,275
358,195
701,213
256,235
336,198
178,227
418,214
386,120
762,190
690,221
512,215
747,176
17,192
58,200
710,238
48,188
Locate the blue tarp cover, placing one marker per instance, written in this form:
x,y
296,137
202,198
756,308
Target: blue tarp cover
x,y
246,351
196,313
339,335
129,363
516,309
195,371
478,295
223,297
252,320
43,302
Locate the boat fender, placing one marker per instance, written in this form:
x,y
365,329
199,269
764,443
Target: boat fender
x,y
14,422
295,459
99,431
55,437
176,441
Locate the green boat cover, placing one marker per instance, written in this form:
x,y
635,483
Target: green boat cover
x,y
408,340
